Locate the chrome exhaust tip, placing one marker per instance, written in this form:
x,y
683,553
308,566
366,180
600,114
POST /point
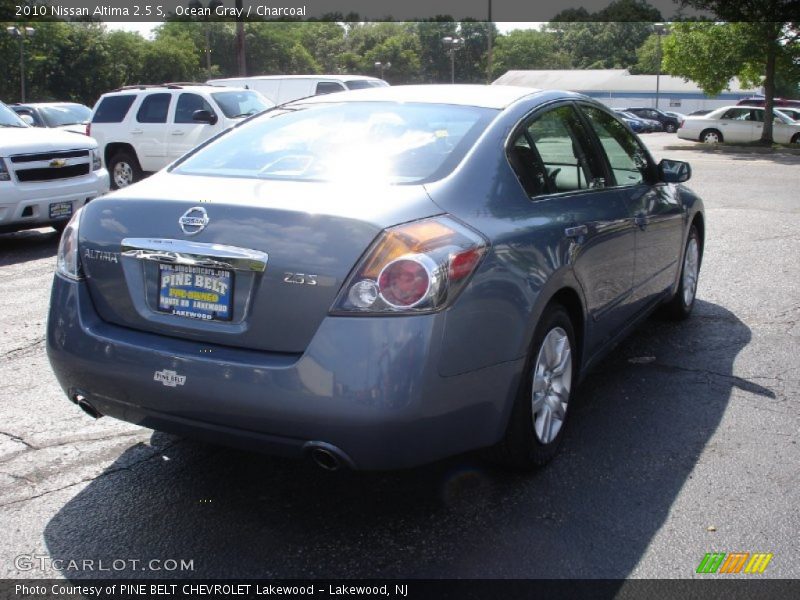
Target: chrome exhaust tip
x,y
85,405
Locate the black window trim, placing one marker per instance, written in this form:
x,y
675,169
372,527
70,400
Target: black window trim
x,y
651,176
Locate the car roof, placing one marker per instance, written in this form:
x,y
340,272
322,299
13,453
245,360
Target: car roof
x,y
170,87
41,104
484,96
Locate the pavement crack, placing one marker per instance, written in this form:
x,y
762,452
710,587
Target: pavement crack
x,y
16,438
111,471
27,350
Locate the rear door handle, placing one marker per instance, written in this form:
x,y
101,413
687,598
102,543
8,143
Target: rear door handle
x,y
577,231
177,132
137,131
641,221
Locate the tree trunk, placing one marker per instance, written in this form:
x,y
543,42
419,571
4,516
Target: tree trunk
x,y
769,88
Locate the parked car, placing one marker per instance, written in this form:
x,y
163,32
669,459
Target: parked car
x,y
738,124
668,123
377,278
68,116
285,88
45,175
141,129
635,123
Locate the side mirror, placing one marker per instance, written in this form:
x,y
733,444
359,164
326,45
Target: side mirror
x,y
674,171
204,116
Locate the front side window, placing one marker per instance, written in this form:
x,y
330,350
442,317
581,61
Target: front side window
x,y
240,104
187,105
348,142
627,158
154,109
550,155
65,114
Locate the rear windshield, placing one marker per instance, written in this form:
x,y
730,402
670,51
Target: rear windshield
x,y
112,109
65,114
8,118
348,142
241,104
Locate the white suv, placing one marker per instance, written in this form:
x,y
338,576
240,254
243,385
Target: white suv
x,y
142,129
45,175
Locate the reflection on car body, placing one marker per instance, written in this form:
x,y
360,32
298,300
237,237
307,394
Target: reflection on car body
x,y
383,277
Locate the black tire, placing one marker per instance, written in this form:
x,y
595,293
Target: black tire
x,y
679,308
670,128
60,226
123,170
522,447
707,137
796,138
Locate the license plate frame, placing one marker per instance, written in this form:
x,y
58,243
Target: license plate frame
x,y
195,292
60,210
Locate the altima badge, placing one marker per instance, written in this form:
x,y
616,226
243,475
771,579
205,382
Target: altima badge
x,y
194,220
169,378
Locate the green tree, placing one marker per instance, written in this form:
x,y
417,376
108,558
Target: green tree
x,y
711,54
754,43
522,49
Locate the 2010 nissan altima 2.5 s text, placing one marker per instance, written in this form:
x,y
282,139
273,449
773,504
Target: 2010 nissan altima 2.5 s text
x,y
376,279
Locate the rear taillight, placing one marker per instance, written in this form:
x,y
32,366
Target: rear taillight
x,y
89,129
68,261
416,267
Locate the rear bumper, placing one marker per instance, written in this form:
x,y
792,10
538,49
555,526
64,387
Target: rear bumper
x,y
369,386
27,205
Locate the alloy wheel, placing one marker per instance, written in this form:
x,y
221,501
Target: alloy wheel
x,y
552,381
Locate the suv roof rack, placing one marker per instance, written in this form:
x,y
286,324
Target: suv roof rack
x,y
177,85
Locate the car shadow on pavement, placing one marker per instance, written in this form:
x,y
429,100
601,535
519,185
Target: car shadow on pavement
x,y
639,426
24,246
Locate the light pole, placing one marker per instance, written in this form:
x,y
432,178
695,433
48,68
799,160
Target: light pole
x,y
381,66
21,33
452,44
660,29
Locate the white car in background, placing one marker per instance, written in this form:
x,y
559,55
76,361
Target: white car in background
x,y
46,175
738,124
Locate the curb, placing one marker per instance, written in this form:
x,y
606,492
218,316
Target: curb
x,y
730,149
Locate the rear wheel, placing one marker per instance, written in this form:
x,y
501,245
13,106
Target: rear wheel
x,y
124,170
60,226
796,138
711,136
670,128
540,412
680,307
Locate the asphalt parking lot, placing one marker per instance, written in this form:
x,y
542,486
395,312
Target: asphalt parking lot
x,y
683,442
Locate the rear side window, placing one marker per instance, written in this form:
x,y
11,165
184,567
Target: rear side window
x,y
360,84
328,87
154,109
112,109
550,155
626,157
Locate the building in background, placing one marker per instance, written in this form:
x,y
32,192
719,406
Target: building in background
x,y
617,88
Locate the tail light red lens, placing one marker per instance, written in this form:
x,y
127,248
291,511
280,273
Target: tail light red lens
x,y
415,267
89,129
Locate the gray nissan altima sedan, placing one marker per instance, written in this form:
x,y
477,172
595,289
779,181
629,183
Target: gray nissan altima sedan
x,y
376,279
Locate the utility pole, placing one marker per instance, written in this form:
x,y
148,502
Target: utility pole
x,y
452,43
21,33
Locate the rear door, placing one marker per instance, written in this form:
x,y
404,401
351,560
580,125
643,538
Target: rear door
x,y
149,131
658,215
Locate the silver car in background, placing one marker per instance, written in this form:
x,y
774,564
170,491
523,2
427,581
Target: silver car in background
x,y
738,124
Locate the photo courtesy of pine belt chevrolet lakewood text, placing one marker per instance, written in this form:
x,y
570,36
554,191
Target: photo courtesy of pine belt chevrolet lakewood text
x,y
376,279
